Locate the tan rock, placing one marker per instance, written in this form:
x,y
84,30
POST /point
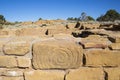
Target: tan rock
x,y
1,78
4,32
31,32
8,61
71,25
117,40
44,75
53,54
17,48
12,78
94,45
86,74
63,36
1,71
44,22
114,37
24,62
12,73
113,73
102,58
90,25
57,29
2,42
27,23
115,46
95,41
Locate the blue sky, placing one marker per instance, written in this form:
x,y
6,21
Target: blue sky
x,y
32,10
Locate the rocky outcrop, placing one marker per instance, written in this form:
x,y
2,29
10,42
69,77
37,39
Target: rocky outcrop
x,y
60,50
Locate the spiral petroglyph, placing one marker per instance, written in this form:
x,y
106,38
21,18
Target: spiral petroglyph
x,y
57,54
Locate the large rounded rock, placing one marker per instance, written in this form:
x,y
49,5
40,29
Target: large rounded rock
x,y
57,54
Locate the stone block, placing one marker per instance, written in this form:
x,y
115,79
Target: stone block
x,y
71,25
96,39
8,61
86,74
44,75
94,45
57,54
2,42
1,71
115,46
17,48
12,73
113,73
102,58
12,78
117,40
31,32
24,62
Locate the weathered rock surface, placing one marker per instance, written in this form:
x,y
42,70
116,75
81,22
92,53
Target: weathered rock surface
x,y
44,75
12,78
18,46
90,25
71,25
115,46
86,74
95,41
113,73
8,61
12,73
60,50
57,54
24,62
2,43
31,32
102,58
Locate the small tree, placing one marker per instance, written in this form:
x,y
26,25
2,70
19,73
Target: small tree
x,y
83,16
72,19
90,18
2,19
100,18
40,19
111,15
